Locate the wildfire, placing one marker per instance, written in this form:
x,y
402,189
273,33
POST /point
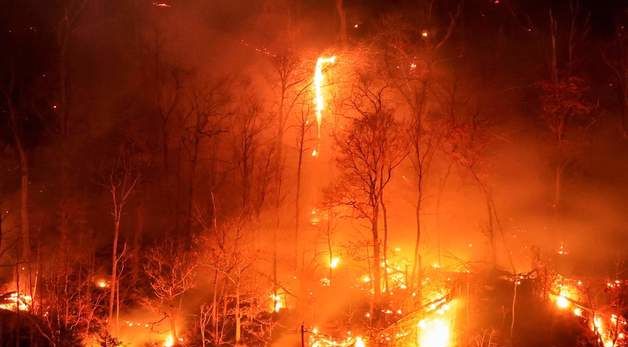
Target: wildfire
x,y
567,294
169,341
319,340
16,302
319,99
278,302
334,262
436,330
102,283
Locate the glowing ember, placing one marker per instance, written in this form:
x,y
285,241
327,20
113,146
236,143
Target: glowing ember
x,y
562,302
334,262
278,302
434,332
319,340
319,99
102,283
16,302
169,341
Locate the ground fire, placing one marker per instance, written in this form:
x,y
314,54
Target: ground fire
x,y
334,173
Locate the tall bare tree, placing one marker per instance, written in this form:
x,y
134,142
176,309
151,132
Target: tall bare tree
x,y
411,55
566,107
370,148
121,182
171,270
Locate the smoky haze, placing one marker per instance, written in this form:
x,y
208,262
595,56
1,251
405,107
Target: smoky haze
x,y
169,127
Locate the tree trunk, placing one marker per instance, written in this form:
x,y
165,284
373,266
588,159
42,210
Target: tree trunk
x,y
385,248
297,208
416,264
238,330
24,187
377,278
114,265
137,241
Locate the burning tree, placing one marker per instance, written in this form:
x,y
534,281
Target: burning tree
x,y
410,57
238,309
171,270
370,148
121,183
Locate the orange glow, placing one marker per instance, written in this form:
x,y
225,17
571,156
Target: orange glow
x,y
278,302
434,332
334,262
101,283
17,302
319,99
562,302
169,341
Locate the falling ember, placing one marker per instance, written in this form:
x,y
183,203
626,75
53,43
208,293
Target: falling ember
x,y
319,100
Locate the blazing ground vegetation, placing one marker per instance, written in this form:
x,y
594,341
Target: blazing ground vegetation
x,y
322,173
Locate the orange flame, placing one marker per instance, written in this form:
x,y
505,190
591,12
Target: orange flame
x,y
319,99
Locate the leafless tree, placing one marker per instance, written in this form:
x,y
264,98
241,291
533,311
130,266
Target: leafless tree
x,y
237,300
121,182
370,148
171,270
11,98
567,110
304,126
410,57
204,122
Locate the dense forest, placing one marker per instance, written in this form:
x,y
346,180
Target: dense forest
x,y
313,173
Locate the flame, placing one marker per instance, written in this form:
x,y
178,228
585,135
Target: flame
x,y
334,262
319,100
436,329
17,302
562,302
278,302
434,332
319,340
169,341
102,283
